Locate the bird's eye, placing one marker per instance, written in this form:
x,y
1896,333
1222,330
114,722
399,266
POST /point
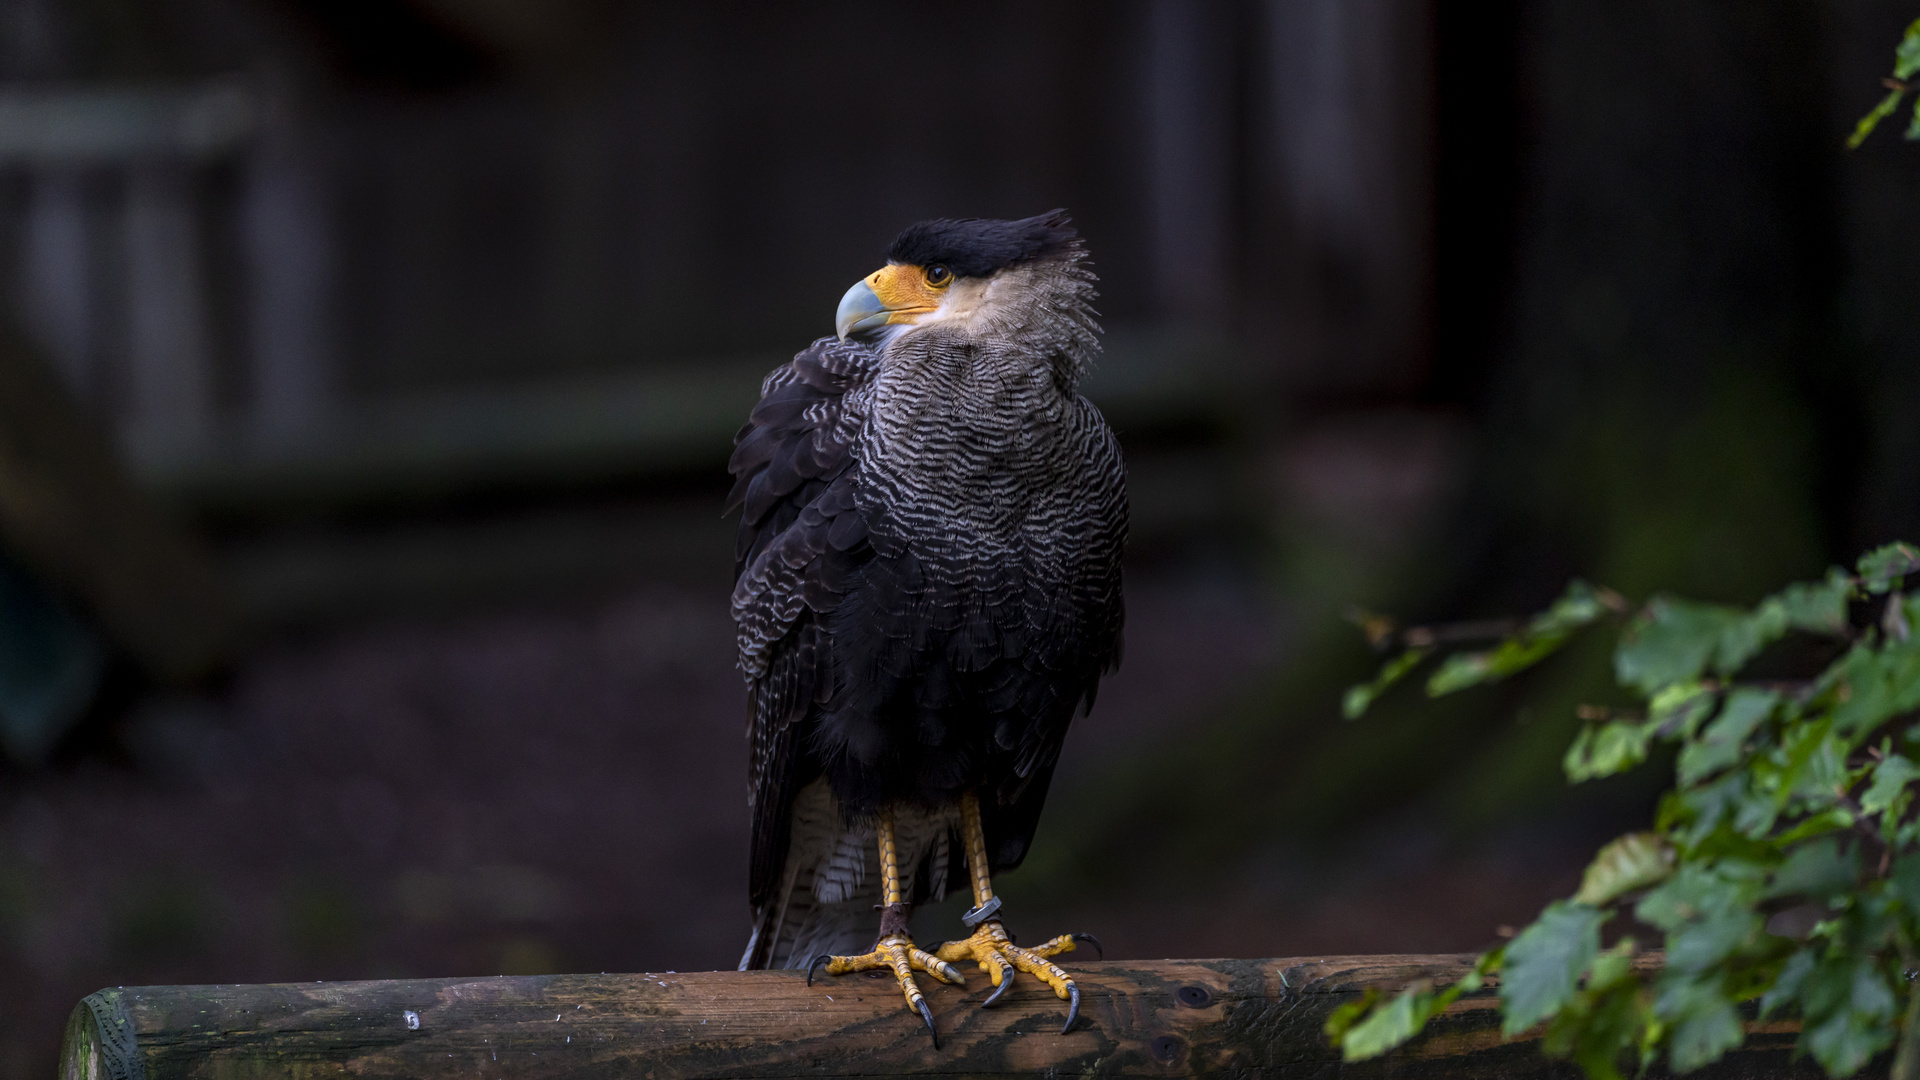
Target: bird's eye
x,y
938,276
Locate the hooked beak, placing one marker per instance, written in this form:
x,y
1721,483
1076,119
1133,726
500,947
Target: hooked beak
x,y
860,310
893,295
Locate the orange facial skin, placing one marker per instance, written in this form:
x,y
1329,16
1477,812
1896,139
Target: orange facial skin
x,y
905,292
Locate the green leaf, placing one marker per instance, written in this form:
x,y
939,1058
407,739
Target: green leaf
x,y
1753,817
1343,1017
1400,1019
1360,697
1882,568
1671,641
1544,964
1703,1037
1875,684
1743,639
1817,607
1906,55
1810,762
1890,779
1705,1022
1385,1027
1613,747
1677,641
1699,944
1710,918
1835,819
1463,670
1634,861
1702,809
1724,740
1872,120
1613,967
1605,1018
1388,1027
1849,1011
1867,920
1678,710
1737,857
1786,985
1905,879
1579,606
1698,890
1817,871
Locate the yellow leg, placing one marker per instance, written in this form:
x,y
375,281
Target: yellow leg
x,y
990,948
894,949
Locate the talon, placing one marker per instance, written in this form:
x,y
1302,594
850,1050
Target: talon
x,y
927,1015
991,947
896,956
998,990
894,952
939,969
1093,941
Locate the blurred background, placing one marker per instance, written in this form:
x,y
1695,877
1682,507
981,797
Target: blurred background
x,y
368,369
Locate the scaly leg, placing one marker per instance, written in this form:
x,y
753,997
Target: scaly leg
x,y
990,947
894,949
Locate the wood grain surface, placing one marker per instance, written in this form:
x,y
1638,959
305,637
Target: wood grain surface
x,y
1153,1018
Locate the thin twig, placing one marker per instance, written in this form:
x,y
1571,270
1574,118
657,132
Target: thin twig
x,y
1421,637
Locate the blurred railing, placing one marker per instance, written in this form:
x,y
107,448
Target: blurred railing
x,y
178,263
113,245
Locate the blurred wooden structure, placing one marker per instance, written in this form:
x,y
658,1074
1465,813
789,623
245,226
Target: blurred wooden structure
x,y
324,271
334,246
69,512
1150,1018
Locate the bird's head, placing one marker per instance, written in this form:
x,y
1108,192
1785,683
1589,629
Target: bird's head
x,y
1020,282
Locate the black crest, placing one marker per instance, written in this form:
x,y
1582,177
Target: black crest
x,y
976,247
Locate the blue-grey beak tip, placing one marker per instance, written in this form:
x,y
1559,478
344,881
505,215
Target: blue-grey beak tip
x,y
859,310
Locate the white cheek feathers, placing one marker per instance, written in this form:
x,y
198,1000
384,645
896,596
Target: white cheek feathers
x,y
971,304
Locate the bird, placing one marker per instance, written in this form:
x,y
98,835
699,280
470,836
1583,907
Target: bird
x,y
927,593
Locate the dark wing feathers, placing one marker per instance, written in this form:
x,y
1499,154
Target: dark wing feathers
x,y
800,540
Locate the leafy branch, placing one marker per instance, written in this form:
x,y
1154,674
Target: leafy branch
x,y
1906,62
1788,795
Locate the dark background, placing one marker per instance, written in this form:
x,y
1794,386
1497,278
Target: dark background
x,y
392,639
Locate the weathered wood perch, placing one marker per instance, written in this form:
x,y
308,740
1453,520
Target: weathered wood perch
x,y
1157,1018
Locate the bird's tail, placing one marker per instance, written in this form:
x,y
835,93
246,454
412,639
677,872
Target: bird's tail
x,y
817,911
790,935
825,903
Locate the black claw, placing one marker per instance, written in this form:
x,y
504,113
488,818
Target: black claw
x,y
1093,941
927,1015
1073,1008
818,963
1006,980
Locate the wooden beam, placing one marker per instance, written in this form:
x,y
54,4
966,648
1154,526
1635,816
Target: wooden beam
x,y
1150,1018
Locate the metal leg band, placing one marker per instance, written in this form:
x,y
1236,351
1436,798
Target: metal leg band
x,y
975,916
